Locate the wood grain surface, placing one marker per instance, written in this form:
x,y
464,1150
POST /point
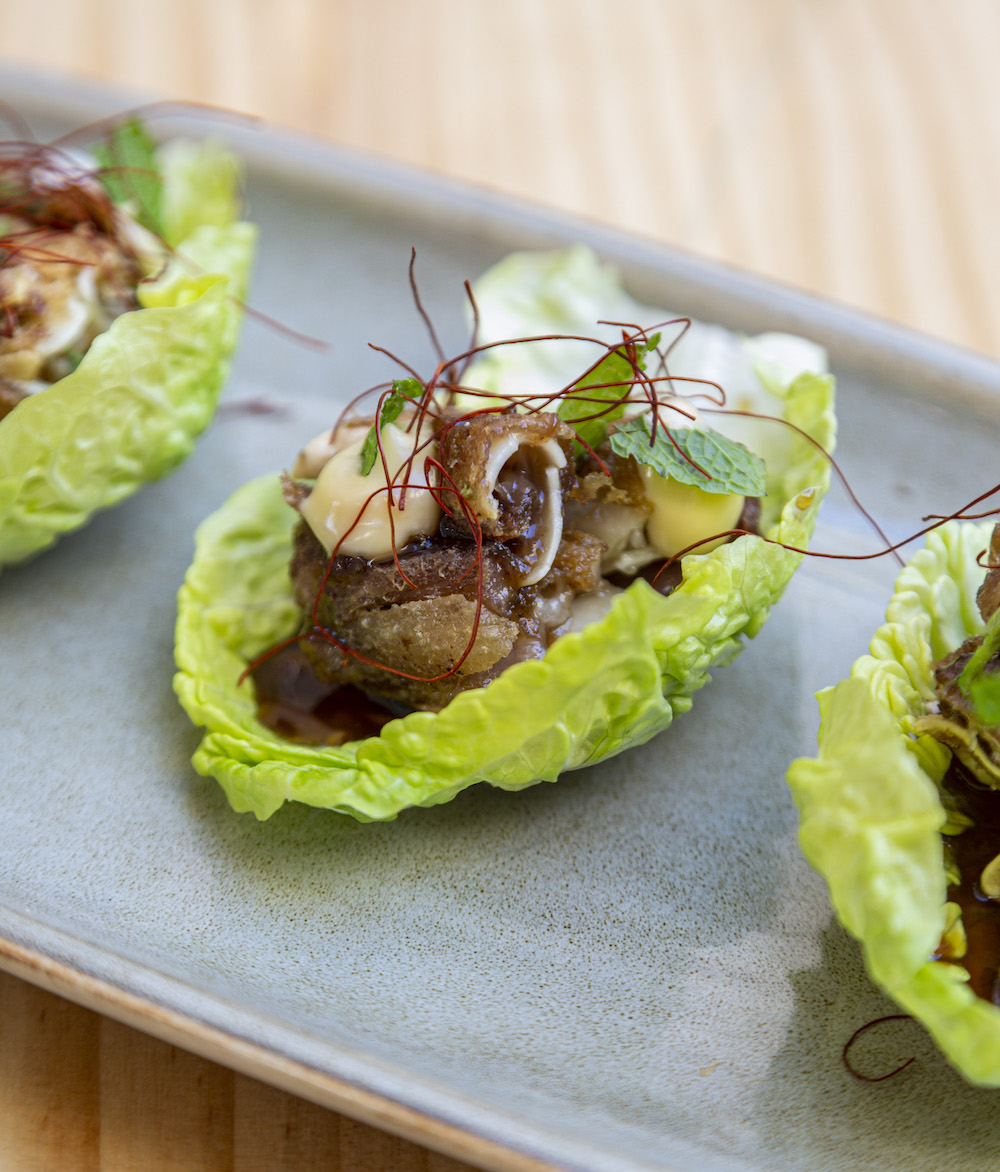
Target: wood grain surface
x,y
847,147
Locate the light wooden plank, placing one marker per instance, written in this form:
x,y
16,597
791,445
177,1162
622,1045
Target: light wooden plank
x,y
161,1107
49,1099
278,1133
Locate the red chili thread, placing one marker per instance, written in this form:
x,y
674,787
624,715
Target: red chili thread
x,y
425,407
460,374
965,516
28,175
845,1052
330,637
841,475
425,317
815,553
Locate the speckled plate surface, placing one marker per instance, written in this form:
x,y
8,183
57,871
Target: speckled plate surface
x,y
631,969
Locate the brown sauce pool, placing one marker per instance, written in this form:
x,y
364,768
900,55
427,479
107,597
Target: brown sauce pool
x,y
971,850
296,704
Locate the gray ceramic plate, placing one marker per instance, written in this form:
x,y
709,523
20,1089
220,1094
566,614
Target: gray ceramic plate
x,y
632,969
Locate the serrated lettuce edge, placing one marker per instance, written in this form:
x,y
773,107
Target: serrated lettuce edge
x,y
148,385
595,693
870,807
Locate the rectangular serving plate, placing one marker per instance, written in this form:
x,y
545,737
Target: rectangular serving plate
x,y
633,969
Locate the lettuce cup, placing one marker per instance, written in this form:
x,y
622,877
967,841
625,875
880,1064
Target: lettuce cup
x,y
573,554
121,277
899,810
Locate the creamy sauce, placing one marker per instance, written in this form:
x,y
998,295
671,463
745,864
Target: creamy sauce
x,y
684,514
310,461
337,512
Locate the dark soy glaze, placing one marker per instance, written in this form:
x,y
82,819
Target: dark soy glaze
x,y
972,849
296,704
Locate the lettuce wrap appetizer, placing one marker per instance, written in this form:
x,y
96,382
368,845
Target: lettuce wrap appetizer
x,y
528,570
899,812
120,281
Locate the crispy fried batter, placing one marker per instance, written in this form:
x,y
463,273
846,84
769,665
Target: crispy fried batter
x,y
466,450
423,626
623,486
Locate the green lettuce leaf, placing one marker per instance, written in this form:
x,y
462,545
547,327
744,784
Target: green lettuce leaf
x,y
147,387
983,686
597,692
870,804
202,187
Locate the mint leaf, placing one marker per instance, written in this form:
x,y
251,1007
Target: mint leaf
x,y
588,396
130,172
985,696
404,390
731,467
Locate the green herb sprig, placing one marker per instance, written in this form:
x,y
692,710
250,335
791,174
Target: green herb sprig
x,y
130,173
714,463
609,382
404,391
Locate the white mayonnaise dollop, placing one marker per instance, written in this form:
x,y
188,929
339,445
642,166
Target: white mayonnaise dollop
x,y
341,492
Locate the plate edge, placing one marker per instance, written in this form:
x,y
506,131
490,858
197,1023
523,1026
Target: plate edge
x,y
257,1061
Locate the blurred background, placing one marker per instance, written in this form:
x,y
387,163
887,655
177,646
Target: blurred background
x,y
844,147
848,147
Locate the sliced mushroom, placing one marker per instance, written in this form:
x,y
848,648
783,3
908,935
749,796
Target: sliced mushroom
x,y
510,471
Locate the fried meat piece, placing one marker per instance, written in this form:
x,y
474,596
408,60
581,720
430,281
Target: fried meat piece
x,y
418,618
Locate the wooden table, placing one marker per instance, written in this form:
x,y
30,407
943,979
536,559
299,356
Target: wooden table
x,y
849,147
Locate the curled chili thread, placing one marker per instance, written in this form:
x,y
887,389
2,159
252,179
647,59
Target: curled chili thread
x,y
848,1045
